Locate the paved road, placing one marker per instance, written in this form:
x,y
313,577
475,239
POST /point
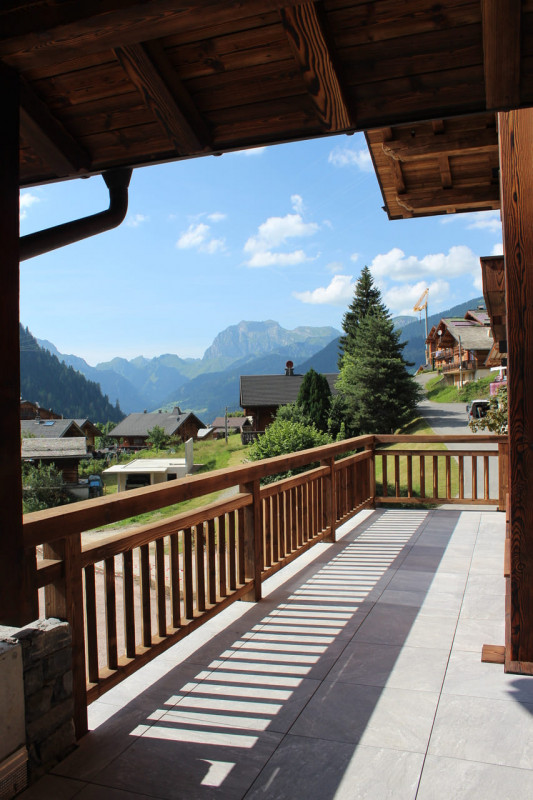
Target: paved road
x,y
450,418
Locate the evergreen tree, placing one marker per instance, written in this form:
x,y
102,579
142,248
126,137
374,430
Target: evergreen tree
x,y
314,398
366,300
379,393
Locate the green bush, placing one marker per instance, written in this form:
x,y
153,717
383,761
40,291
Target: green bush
x,y
42,487
285,436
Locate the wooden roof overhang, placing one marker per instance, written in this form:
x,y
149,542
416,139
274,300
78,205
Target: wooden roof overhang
x,y
109,83
493,277
437,167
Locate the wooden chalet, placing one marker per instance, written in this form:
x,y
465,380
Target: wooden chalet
x,y
29,410
64,453
444,92
460,346
133,432
262,395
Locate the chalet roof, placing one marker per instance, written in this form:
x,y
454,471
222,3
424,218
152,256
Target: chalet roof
x,y
274,390
234,423
473,337
119,83
52,428
139,424
89,426
54,448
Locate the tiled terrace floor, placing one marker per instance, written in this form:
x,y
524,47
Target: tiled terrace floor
x,y
358,676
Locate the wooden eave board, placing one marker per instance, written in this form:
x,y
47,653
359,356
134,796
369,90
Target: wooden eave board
x,y
145,82
462,179
493,278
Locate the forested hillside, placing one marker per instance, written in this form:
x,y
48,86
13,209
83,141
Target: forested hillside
x,y
46,380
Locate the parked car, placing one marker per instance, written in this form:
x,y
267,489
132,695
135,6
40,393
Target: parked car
x,y
477,409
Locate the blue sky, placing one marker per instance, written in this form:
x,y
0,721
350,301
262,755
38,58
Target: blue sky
x,y
274,233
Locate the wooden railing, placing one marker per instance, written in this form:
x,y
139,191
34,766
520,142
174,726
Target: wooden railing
x,y
133,594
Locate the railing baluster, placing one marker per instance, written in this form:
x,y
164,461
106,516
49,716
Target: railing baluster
x,y
175,608
92,630
384,474
211,563
267,533
200,573
232,552
435,477
240,535
222,590
188,580
129,604
409,475
422,476
160,587
298,514
397,476
275,529
146,600
461,477
111,613
448,477
474,477
486,476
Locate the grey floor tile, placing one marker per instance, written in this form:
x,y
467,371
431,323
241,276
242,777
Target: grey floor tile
x,y
465,780
472,634
415,668
374,716
179,762
468,675
399,625
336,770
485,730
52,787
483,606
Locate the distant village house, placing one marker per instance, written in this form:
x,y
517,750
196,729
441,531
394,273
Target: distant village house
x,y
460,347
133,431
262,395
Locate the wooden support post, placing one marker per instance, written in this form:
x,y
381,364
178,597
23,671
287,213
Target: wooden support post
x,y
18,604
503,475
329,499
372,472
516,176
253,540
64,600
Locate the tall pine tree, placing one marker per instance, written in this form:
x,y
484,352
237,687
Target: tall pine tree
x,y
314,398
366,300
378,392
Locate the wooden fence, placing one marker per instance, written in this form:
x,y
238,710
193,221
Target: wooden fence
x,y
132,595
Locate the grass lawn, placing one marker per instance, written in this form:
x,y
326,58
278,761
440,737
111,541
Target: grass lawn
x,y
439,392
210,455
420,427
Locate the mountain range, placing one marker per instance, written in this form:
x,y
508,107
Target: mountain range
x,y
209,384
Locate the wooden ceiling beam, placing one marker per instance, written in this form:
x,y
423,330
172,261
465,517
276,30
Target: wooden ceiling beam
x,y
48,137
54,33
445,171
449,144
310,49
141,70
440,200
501,20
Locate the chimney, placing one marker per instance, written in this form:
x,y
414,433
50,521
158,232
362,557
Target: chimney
x,y
289,368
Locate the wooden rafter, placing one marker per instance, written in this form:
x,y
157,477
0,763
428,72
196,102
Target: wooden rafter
x,y
48,137
501,52
311,51
156,95
445,171
449,144
434,200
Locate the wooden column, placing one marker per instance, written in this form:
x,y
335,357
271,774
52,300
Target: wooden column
x,y
253,541
17,603
329,499
516,176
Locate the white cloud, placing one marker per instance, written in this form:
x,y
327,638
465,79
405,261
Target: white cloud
x,y
216,216
27,200
338,293
401,298
354,257
251,151
197,236
297,203
476,220
335,267
395,265
135,220
348,157
497,249
275,233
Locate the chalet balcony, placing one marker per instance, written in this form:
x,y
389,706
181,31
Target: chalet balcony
x,y
356,670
